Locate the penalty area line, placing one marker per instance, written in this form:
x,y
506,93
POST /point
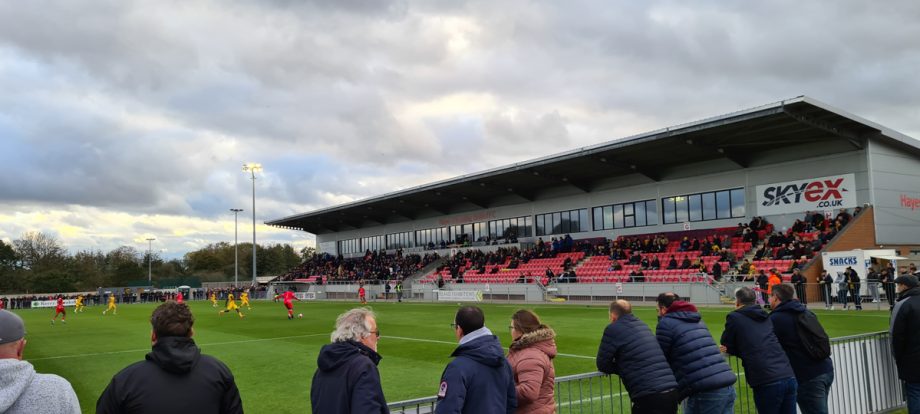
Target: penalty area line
x,y
434,341
127,351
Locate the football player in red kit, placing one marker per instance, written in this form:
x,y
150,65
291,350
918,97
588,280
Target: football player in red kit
x,y
59,310
362,295
180,298
288,302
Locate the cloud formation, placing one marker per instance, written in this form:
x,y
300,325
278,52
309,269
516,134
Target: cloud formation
x,y
126,118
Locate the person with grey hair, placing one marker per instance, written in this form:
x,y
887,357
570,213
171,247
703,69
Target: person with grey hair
x,y
22,390
346,378
749,335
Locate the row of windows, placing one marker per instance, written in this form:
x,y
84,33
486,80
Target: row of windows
x,y
435,235
714,205
349,246
372,243
626,215
572,221
400,240
703,206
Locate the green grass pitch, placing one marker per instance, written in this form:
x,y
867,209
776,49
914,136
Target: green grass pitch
x,y
273,358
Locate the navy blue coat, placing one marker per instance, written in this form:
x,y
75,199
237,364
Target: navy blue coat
x,y
347,381
749,335
629,350
785,321
478,381
692,353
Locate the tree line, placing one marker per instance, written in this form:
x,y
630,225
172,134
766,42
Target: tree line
x,y
38,262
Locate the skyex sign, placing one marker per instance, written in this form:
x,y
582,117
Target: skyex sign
x,y
813,194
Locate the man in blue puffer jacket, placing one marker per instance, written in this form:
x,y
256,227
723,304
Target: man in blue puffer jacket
x,y
749,335
703,375
629,349
479,380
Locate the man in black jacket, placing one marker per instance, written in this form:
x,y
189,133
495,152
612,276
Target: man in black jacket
x,y
814,376
175,377
630,350
905,338
749,336
346,379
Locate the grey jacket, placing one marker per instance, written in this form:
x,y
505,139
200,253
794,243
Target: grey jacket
x,y
22,390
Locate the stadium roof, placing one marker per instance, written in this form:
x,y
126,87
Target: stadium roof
x,y
737,140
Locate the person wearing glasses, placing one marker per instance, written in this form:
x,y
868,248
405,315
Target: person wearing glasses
x,y
346,378
479,379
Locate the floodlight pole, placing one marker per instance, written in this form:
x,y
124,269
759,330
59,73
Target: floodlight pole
x,y
253,168
236,247
150,260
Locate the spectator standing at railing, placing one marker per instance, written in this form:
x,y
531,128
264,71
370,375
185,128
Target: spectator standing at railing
x,y
749,335
826,282
905,338
703,376
853,285
630,350
872,281
346,379
530,355
842,288
798,281
887,279
479,379
813,374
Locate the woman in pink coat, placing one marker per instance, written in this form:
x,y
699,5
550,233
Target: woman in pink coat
x,y
531,357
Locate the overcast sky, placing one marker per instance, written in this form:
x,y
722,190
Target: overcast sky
x,y
122,120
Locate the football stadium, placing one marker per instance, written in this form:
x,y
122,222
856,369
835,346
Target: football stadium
x,y
719,213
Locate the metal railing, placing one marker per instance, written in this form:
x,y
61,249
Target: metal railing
x,y
866,381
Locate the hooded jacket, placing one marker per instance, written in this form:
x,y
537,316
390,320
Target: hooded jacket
x,y
478,380
174,378
629,350
693,355
23,391
347,380
749,335
905,335
531,359
785,326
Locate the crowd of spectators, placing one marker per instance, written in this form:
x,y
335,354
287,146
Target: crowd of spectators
x,y
373,266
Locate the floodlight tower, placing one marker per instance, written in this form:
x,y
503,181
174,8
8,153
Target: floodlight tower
x,y
236,247
252,168
150,260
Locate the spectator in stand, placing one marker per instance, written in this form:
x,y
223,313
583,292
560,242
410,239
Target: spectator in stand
x,y
703,376
761,253
530,355
749,335
637,275
814,376
635,258
853,286
717,270
798,282
655,264
905,338
346,378
629,350
745,267
685,264
684,245
22,390
843,217
479,379
174,370
825,283
672,263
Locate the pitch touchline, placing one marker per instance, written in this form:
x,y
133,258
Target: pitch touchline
x,y
434,341
199,345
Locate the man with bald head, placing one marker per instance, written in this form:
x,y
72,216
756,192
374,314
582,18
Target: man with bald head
x,y
22,390
630,350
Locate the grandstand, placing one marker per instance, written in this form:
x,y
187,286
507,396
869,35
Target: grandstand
x,y
773,184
